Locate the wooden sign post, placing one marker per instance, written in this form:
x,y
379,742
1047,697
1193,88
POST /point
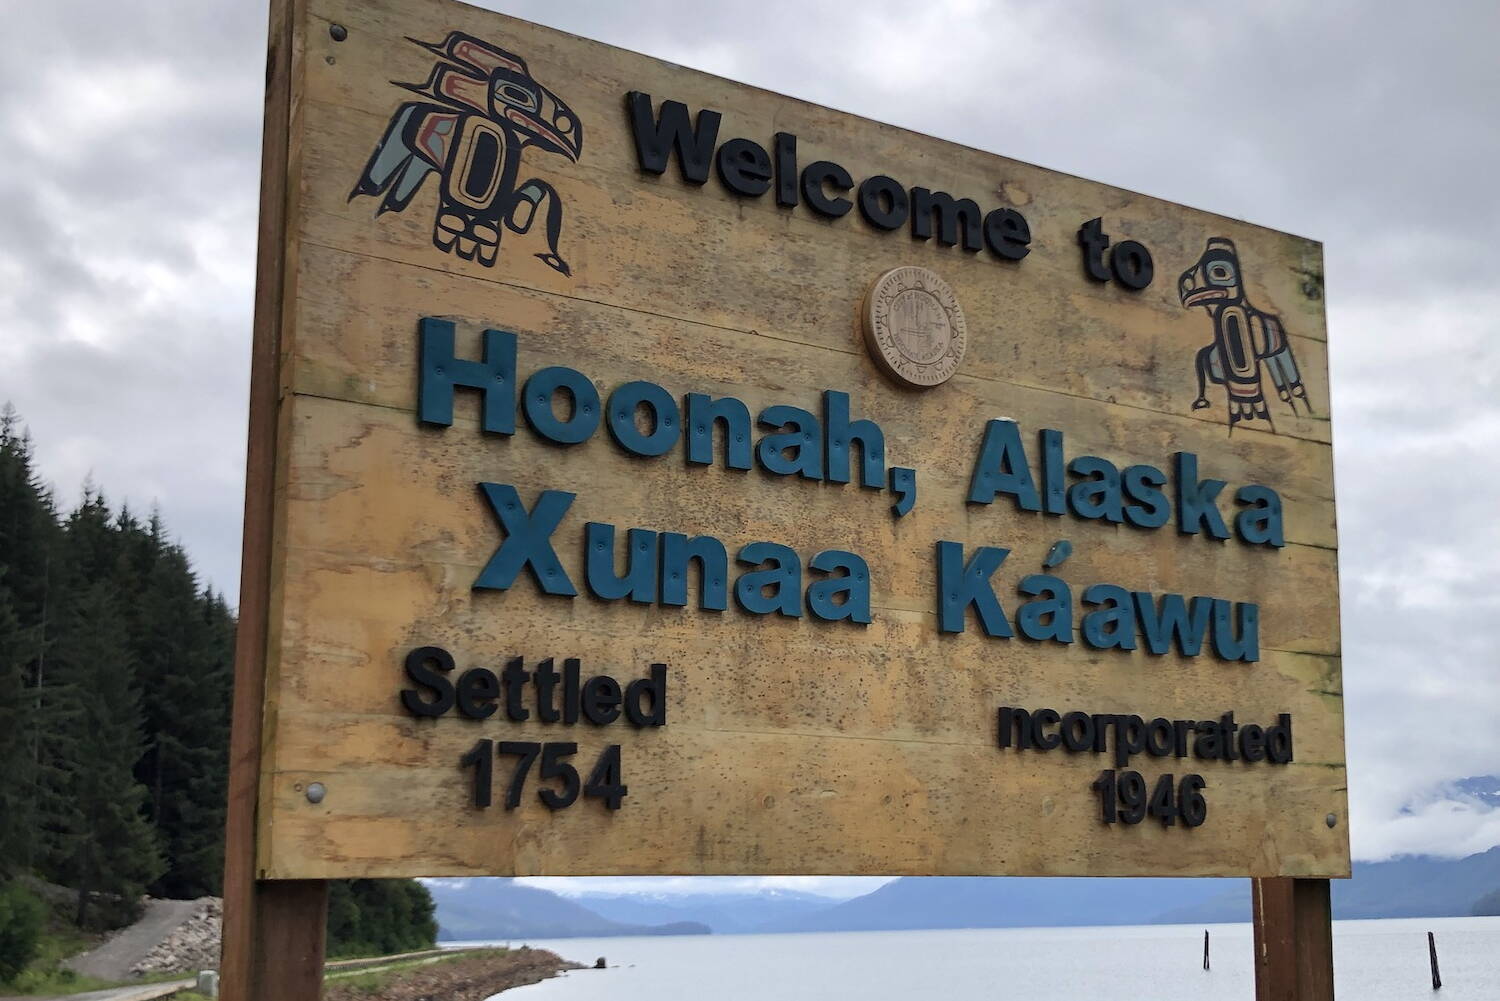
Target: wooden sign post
x,y
651,474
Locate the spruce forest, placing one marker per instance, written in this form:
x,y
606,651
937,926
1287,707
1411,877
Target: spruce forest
x,y
116,666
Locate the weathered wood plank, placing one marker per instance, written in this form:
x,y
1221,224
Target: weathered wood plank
x,y
849,805
793,745
357,335
353,469
273,933
656,244
1293,921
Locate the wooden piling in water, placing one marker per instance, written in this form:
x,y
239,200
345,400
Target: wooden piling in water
x,y
1205,948
1437,981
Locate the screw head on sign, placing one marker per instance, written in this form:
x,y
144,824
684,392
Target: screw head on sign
x,y
1331,820
315,792
338,32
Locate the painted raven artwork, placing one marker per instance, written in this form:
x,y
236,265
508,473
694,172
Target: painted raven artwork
x,y
480,109
1249,343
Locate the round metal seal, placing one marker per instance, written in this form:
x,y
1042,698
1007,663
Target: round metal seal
x,y
914,327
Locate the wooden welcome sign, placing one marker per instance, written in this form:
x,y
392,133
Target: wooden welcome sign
x,y
653,474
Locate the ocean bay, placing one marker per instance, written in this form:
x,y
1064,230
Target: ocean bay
x,y
1377,960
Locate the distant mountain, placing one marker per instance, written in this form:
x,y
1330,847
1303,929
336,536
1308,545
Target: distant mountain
x,y
1485,788
1410,887
986,902
1405,887
725,913
503,909
488,909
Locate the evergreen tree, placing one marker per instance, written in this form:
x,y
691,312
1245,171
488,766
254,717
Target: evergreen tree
x,y
29,537
15,750
28,524
97,837
379,917
115,681
179,643
104,844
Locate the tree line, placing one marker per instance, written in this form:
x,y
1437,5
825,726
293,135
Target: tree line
x,y
115,674
116,668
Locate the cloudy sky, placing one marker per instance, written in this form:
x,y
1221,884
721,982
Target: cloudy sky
x,y
131,137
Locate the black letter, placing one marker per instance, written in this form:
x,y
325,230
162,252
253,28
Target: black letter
x,y
744,167
1007,234
870,202
786,170
1093,241
601,700
813,179
652,139
546,679
1132,264
1159,737
417,671
1227,726
1077,731
1045,717
1279,740
1252,742
950,212
515,680
656,687
478,688
1020,719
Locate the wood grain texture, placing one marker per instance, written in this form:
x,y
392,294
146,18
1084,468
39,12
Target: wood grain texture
x,y
273,933
793,745
1293,933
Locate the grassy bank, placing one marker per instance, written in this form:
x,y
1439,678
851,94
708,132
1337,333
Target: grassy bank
x,y
60,938
470,976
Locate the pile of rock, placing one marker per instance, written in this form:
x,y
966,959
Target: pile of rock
x,y
192,945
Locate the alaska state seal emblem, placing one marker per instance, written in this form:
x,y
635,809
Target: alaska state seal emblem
x,y
914,327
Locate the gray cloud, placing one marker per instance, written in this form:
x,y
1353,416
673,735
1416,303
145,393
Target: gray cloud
x,y
127,256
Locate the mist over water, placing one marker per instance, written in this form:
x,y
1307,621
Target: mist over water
x,y
1373,961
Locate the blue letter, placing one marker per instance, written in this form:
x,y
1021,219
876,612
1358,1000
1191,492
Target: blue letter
x,y
854,585
1150,508
1099,496
1049,618
537,399
1247,647
1197,500
664,418
842,434
1174,620
784,577
1001,468
702,414
1053,467
1112,625
495,377
713,570
528,540
960,586
639,581
1259,525
804,441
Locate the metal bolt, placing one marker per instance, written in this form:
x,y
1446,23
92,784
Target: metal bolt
x,y
338,32
315,792
1332,820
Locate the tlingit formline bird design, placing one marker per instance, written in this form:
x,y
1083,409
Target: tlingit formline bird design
x,y
1246,340
482,109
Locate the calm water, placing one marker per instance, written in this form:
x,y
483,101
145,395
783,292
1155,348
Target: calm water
x,y
1373,960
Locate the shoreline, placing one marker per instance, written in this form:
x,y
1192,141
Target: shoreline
x,y
472,976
